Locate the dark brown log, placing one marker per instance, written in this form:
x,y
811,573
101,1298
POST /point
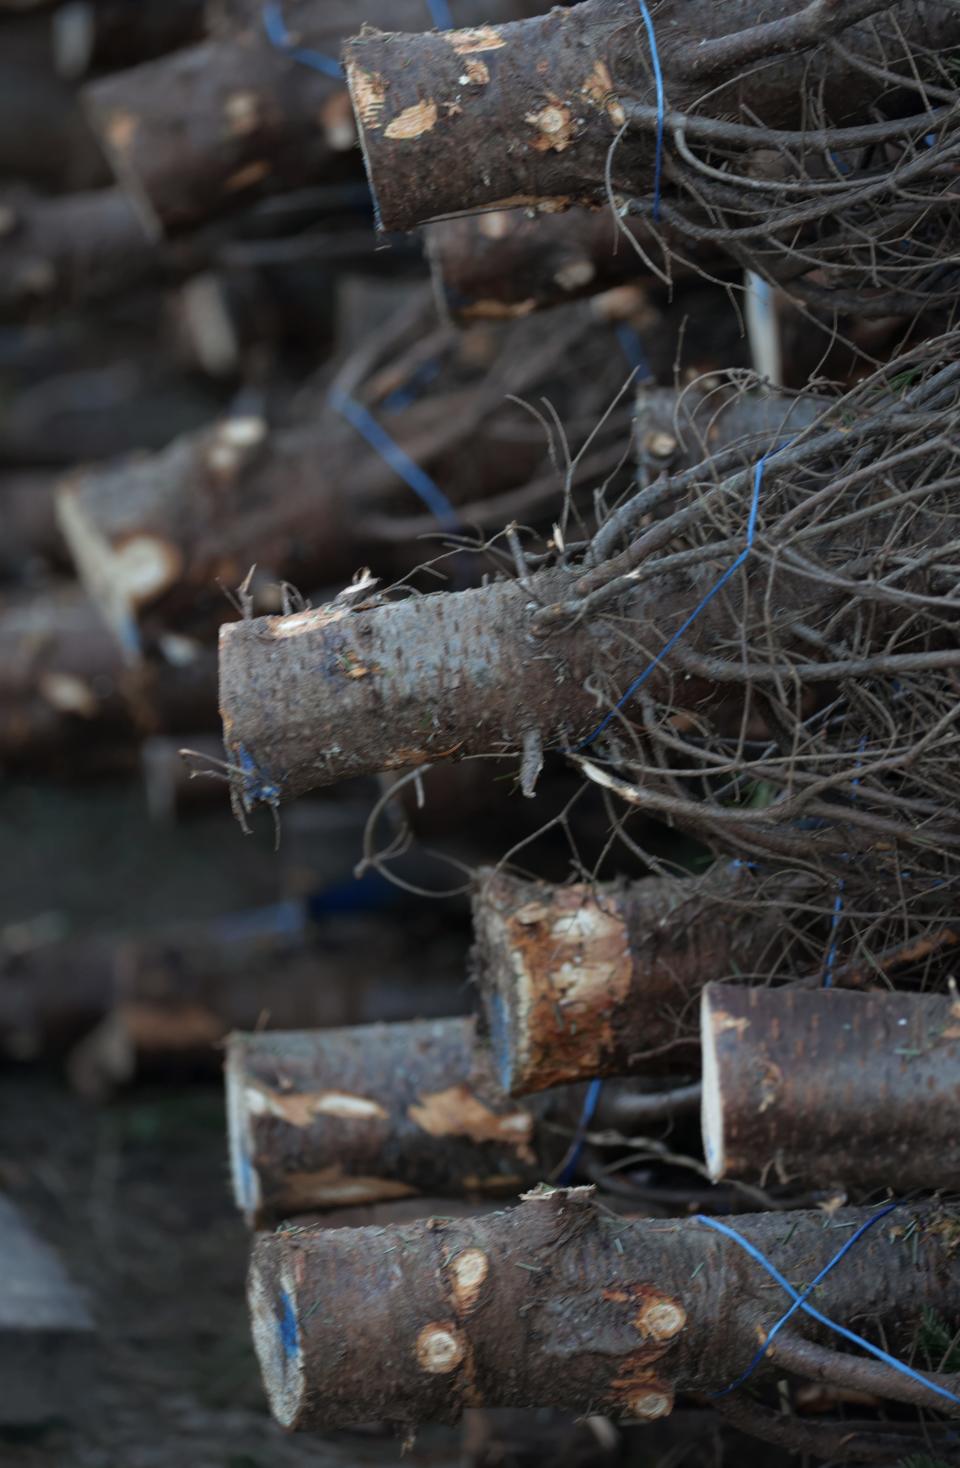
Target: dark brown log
x,y
63,684
153,537
169,530
206,129
45,141
318,1120
456,121
70,249
88,35
555,1303
460,673
583,981
511,262
30,539
855,1089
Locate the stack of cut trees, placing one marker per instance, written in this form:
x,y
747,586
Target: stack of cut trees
x,y
742,666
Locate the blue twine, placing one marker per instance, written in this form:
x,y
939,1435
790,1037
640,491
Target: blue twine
x,y
632,348
658,78
834,925
400,462
800,1303
671,642
569,1164
278,36
409,391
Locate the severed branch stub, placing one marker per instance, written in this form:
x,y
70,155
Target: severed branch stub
x,y
578,981
559,1303
842,1087
329,1118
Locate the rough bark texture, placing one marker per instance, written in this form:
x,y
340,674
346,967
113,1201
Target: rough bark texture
x,y
158,533
840,1087
201,131
452,122
557,1303
322,1119
579,981
511,262
316,697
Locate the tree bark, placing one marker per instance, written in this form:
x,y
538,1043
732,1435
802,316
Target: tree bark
x,y
153,537
161,533
72,249
206,129
511,262
457,121
557,1303
122,1005
582,981
90,34
320,1119
837,1087
63,685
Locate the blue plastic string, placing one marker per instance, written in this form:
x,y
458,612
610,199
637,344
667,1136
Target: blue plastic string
x,y
632,348
834,925
569,1165
672,641
658,78
440,14
400,462
278,36
800,1303
409,391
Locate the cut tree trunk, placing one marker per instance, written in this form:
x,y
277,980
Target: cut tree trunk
x,y
456,121
122,1006
155,538
206,129
164,533
74,248
91,34
860,1090
510,262
323,1119
558,1303
64,687
583,981
304,697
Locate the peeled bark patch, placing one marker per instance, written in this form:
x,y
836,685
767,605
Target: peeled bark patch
x,y
573,1308
831,1085
326,1119
576,981
539,131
